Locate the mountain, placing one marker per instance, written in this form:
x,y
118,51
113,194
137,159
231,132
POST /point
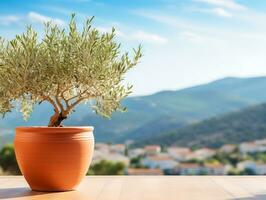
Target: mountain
x,y
153,114
246,125
153,128
190,105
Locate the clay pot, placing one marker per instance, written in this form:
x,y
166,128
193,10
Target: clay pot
x,y
54,158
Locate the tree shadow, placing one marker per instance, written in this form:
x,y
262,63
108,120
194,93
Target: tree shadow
x,y
8,193
255,197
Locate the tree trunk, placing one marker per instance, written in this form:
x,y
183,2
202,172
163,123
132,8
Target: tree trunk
x,y
56,119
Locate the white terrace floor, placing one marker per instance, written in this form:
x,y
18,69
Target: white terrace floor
x,y
145,188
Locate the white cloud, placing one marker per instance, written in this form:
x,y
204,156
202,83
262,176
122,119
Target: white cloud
x,y
229,4
163,19
195,31
191,37
147,37
139,36
221,12
32,17
38,18
9,19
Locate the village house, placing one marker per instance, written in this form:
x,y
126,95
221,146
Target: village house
x,y
197,169
118,148
201,154
159,161
152,149
256,167
250,147
248,164
214,169
228,148
260,142
260,169
189,169
114,157
179,153
133,153
102,147
143,171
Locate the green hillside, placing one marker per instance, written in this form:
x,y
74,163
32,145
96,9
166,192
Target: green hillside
x,y
236,127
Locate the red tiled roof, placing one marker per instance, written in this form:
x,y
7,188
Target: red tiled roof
x,y
159,158
144,171
152,147
214,166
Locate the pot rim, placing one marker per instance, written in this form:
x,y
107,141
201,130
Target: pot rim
x,y
66,128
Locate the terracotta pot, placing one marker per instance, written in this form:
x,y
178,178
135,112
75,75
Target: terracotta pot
x,y
54,158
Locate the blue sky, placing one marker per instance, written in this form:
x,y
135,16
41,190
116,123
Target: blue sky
x,y
186,42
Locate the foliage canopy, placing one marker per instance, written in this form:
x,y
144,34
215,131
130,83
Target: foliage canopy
x,y
105,167
65,68
8,160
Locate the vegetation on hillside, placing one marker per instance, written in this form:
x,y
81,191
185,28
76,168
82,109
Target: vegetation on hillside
x,y
245,125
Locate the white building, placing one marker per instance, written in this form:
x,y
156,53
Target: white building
x,y
257,168
261,142
246,165
197,169
260,169
114,157
253,147
228,148
201,154
162,162
152,149
179,153
118,148
249,147
133,153
102,147
189,169
215,169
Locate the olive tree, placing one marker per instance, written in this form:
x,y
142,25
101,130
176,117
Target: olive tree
x,y
65,68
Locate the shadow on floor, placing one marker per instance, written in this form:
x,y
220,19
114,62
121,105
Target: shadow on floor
x,y
255,197
8,193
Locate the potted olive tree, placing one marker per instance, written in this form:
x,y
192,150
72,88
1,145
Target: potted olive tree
x,y
64,68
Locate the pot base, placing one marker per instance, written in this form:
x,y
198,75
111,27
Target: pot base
x,y
52,190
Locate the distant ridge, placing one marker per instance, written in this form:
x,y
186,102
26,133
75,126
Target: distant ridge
x,y
246,125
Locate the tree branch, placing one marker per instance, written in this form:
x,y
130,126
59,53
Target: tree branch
x,y
63,96
76,96
72,98
66,101
47,98
66,89
57,99
76,103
